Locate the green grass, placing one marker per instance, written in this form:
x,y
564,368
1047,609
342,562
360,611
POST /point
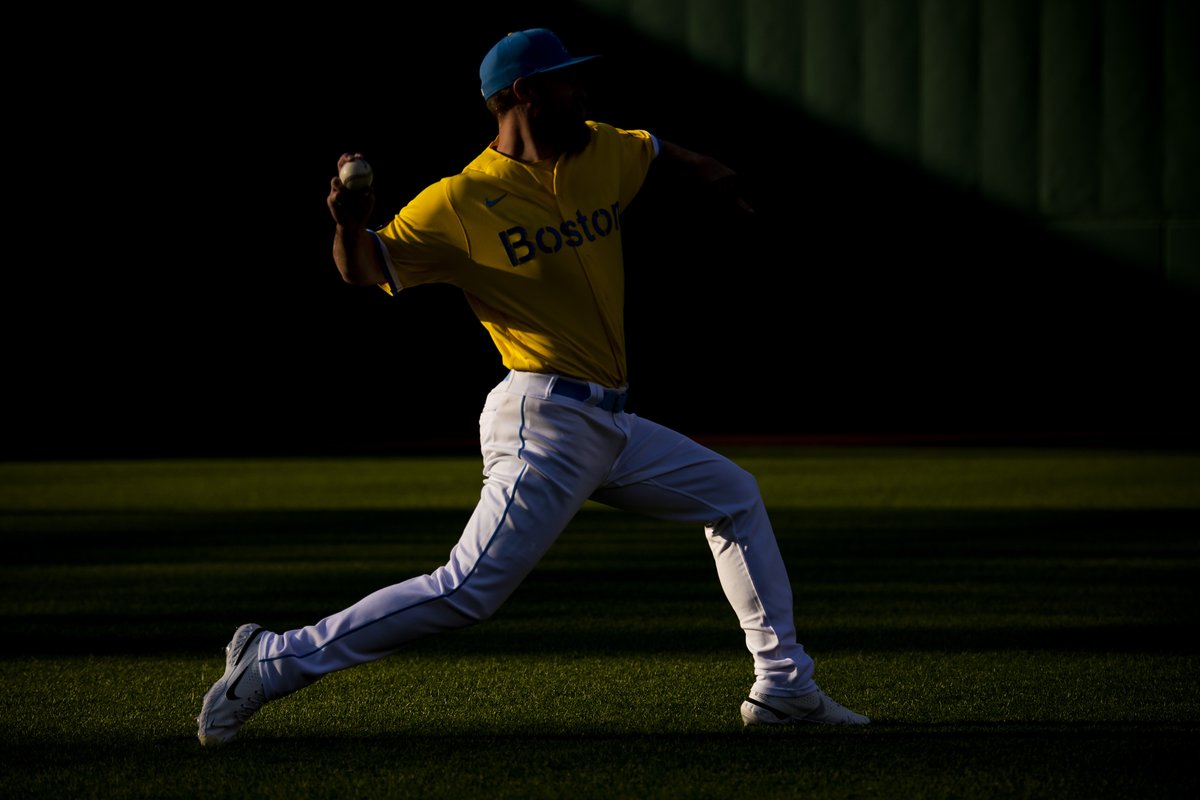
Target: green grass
x,y
1017,623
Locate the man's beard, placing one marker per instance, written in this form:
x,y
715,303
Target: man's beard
x,y
564,129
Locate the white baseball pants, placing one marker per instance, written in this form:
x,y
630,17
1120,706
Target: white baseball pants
x,y
544,455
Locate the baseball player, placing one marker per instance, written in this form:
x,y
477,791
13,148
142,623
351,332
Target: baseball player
x,y
531,232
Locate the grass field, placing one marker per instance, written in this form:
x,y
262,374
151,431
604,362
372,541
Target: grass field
x,y
1017,623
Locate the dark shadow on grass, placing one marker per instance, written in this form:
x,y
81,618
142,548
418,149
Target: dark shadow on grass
x,y
971,759
938,581
86,536
117,635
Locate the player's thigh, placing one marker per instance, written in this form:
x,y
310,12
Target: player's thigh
x,y
665,474
542,461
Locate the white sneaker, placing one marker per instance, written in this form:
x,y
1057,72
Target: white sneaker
x,y
238,694
764,709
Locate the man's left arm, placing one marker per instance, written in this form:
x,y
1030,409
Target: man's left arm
x,y
705,172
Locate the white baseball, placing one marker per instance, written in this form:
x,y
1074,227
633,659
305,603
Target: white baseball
x,y
356,175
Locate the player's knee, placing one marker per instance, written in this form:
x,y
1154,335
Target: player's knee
x,y
475,606
740,489
740,500
745,485
465,595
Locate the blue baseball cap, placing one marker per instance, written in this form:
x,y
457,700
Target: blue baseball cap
x,y
521,54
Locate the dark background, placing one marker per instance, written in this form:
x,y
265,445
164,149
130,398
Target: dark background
x,y
172,293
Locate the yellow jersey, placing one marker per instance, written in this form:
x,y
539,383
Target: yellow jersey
x,y
536,248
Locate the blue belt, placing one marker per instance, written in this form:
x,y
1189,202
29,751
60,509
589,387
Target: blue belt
x,y
612,400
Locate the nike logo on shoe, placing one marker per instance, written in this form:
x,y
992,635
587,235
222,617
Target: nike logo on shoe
x,y
231,692
782,715
489,203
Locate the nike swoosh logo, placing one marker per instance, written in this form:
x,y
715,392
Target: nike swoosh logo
x,y
489,203
231,692
778,714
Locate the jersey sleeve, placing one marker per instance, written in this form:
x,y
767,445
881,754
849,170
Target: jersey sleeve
x,y
638,149
423,241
